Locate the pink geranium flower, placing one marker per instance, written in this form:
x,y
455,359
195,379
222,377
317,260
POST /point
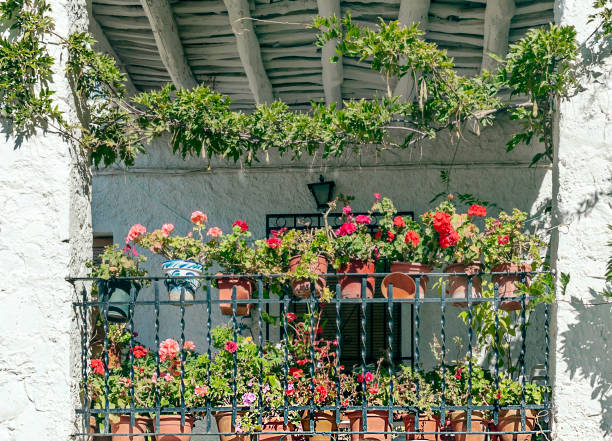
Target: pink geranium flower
x,y
166,229
363,219
135,231
214,232
189,346
198,218
201,391
168,349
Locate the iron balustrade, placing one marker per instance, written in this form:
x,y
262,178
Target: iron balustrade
x,y
87,307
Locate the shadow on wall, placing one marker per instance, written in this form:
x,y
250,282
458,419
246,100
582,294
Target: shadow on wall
x,y
587,350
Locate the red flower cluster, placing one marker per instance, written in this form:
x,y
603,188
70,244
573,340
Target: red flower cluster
x,y
168,349
97,366
302,362
242,224
231,346
503,240
367,377
274,242
458,374
373,389
448,235
390,236
477,210
346,229
296,372
363,219
398,221
378,235
291,316
139,351
322,393
412,237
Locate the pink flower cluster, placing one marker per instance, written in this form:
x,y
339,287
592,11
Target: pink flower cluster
x,y
346,229
214,232
199,218
135,231
168,349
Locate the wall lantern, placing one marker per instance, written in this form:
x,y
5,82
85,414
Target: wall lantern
x,y
322,191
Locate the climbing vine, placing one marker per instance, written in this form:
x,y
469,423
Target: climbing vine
x,y
113,127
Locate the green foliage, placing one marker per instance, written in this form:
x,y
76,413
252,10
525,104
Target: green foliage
x,y
173,246
232,252
510,393
540,65
604,15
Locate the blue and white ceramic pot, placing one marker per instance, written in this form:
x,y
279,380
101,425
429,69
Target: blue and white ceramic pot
x,y
182,268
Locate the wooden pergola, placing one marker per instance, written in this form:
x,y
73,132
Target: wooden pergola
x,y
260,50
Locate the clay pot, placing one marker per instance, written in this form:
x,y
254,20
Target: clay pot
x,y
458,285
324,421
141,426
224,425
275,425
510,421
507,290
244,288
93,428
351,285
403,286
413,268
172,424
458,421
301,288
426,424
378,421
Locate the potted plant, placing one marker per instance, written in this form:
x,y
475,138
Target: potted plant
x,y
458,394
510,393
355,252
239,388
409,246
114,266
310,252
508,249
185,256
461,246
317,372
420,401
232,252
369,389
168,387
117,383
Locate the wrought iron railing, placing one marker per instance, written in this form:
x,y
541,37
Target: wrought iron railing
x,y
206,297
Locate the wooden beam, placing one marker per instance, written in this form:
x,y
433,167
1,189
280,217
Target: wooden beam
x,y
411,11
498,15
333,74
249,50
104,46
168,42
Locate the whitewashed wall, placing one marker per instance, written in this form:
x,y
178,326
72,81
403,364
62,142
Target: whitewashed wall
x,y
45,235
227,193
583,203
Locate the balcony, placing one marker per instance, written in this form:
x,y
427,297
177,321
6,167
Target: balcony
x,y
276,366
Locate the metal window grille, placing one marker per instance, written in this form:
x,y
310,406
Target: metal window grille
x,y
207,300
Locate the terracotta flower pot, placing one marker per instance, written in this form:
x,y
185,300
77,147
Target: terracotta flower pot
x,y
301,287
510,421
458,421
458,285
244,288
271,428
351,285
378,421
426,424
172,424
413,268
324,421
507,291
403,286
93,428
224,425
141,425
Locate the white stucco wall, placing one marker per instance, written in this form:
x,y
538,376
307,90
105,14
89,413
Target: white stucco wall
x,y
583,203
45,235
227,193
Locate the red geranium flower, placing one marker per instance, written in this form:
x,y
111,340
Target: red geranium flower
x,y
363,219
274,242
449,239
97,366
242,224
295,372
369,376
412,237
390,236
503,240
378,235
477,210
346,229
373,389
139,351
291,316
398,221
458,374
302,362
231,346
